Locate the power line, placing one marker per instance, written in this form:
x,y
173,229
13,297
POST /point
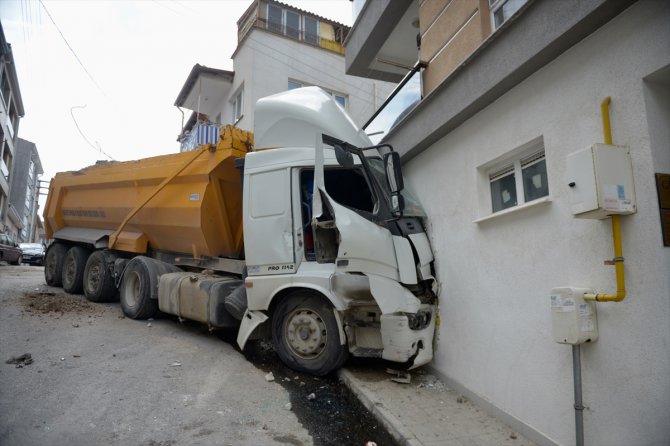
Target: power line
x,y
70,47
98,148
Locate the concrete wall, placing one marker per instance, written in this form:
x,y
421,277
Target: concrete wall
x,y
495,337
265,62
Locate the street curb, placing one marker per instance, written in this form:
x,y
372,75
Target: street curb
x,y
397,430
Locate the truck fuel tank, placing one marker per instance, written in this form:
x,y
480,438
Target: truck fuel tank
x,y
198,297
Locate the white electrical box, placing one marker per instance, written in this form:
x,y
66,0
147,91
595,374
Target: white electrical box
x,y
573,319
600,178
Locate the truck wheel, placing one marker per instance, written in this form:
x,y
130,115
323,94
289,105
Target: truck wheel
x,y
73,269
305,334
98,279
53,264
135,290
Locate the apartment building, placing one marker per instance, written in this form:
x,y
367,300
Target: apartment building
x,y
496,121
280,47
11,111
25,188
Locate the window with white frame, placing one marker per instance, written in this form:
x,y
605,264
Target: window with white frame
x,y
521,180
340,98
238,109
501,10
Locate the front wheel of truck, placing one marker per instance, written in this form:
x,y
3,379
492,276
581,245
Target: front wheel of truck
x,y
305,334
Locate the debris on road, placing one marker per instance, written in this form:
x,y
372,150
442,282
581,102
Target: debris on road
x,y
20,361
400,377
174,364
269,377
47,302
311,396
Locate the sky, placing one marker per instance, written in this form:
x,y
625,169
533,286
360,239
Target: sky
x,y
99,79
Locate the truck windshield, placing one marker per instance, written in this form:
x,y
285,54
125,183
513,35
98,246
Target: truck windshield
x,y
412,206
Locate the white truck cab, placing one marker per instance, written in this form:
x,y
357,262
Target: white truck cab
x,y
338,261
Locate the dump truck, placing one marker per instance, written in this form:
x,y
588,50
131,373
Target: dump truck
x,y
301,233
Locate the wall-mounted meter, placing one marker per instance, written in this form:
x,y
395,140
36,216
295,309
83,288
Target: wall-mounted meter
x,y
600,178
573,319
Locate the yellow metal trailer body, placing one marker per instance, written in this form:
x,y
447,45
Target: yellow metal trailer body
x,y
189,203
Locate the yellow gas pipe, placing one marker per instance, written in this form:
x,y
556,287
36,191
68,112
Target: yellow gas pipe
x,y
616,227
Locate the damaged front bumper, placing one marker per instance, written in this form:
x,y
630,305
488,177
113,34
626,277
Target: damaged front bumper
x,y
404,344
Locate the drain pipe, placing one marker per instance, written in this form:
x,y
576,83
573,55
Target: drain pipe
x,y
579,407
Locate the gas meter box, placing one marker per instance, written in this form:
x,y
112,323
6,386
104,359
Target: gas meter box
x,y
600,178
573,319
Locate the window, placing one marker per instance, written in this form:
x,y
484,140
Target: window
x,y
292,24
238,109
275,18
341,99
522,180
292,85
502,10
311,28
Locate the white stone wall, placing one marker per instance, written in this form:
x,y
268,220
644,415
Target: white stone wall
x,y
265,62
495,336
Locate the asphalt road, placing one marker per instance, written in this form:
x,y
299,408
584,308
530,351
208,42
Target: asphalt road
x,y
99,378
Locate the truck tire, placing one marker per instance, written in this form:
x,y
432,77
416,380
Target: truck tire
x,y
139,286
98,279
53,264
305,334
135,291
73,269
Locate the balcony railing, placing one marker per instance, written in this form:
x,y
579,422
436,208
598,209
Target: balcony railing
x,y
201,133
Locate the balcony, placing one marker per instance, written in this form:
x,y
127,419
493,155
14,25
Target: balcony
x,y
327,35
201,133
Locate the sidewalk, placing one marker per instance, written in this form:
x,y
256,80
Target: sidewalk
x,y
425,412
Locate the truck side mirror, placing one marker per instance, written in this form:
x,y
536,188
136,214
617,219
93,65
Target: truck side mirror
x,y
344,158
393,171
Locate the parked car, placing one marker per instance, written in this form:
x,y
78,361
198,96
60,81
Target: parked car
x,y
9,250
33,253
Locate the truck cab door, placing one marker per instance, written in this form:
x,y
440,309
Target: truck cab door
x,y
342,235
268,223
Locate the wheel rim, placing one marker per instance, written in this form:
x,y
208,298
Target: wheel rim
x,y
131,289
70,270
94,277
306,333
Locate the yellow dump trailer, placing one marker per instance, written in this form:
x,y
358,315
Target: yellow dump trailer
x,y
187,203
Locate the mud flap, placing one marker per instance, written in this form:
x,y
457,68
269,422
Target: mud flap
x,y
250,321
